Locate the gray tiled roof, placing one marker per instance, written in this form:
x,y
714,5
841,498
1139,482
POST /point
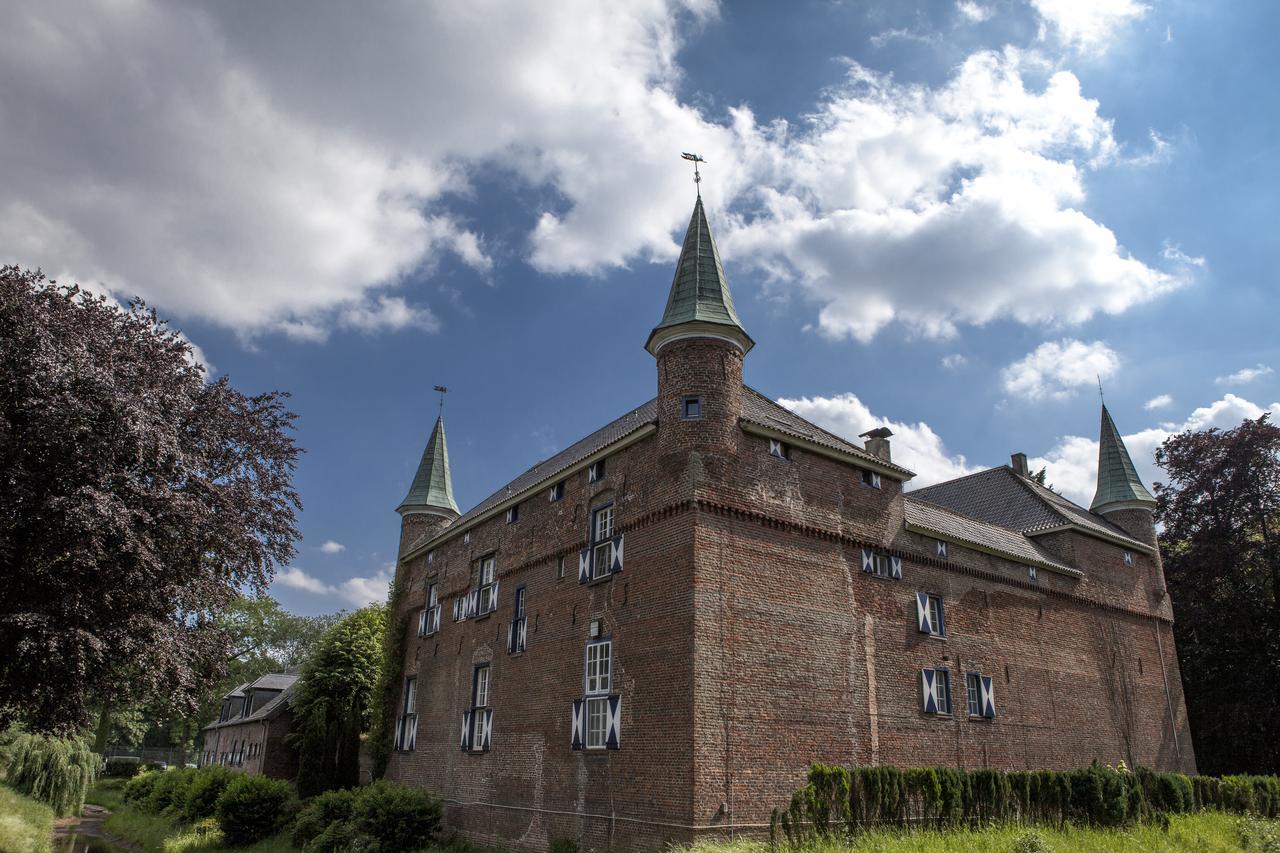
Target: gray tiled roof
x,y
952,525
759,409
999,496
267,711
274,681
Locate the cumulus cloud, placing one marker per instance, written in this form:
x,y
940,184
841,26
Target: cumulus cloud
x,y
940,206
955,361
1089,26
915,446
1174,254
1244,375
357,591
331,547
1056,370
1072,464
975,12
1160,401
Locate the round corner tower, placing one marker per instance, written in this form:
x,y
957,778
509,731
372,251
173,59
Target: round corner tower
x,y
429,507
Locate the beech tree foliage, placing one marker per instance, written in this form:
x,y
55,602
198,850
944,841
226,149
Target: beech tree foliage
x,y
1221,543
136,500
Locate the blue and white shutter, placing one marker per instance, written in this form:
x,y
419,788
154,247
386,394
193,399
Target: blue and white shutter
x,y
493,598
487,731
457,611
988,697
926,691
523,638
613,732
922,613
422,622
511,638
584,565
617,554
466,730
410,733
400,733
575,725
868,560
473,602
942,550
895,567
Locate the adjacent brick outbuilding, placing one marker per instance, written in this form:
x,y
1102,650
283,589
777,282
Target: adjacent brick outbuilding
x,y
249,734
649,636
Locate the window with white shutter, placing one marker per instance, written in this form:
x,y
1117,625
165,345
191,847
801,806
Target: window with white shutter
x,y
407,724
478,721
517,634
603,556
597,715
935,688
929,614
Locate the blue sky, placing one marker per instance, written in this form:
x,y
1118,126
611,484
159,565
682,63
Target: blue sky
x,y
944,216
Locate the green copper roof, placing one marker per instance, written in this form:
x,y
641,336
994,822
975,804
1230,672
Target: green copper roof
x,y
1117,478
700,291
432,487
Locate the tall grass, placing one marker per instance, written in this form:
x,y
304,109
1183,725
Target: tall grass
x,y
56,771
26,826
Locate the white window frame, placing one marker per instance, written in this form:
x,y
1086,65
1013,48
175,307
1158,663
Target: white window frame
x,y
486,578
556,492
598,679
480,688
973,693
408,715
881,565
602,527
937,618
431,618
942,690
779,450
518,619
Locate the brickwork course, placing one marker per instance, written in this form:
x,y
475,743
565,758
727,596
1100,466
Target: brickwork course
x,y
765,591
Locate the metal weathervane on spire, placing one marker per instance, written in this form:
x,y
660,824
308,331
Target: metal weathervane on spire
x,y
697,177
443,390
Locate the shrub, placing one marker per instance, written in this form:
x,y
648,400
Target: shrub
x,y
138,789
398,817
121,767
170,791
321,811
207,784
1031,842
254,807
55,771
562,845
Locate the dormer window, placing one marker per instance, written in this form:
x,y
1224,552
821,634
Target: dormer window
x,y
595,471
556,492
691,408
513,514
779,450
1128,559
870,478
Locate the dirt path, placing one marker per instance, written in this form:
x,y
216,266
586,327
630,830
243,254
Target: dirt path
x,y
87,834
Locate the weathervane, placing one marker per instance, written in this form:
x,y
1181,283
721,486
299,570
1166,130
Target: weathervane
x,y
443,390
1100,397
695,160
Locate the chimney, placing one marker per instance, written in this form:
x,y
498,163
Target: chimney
x,y
1020,464
877,442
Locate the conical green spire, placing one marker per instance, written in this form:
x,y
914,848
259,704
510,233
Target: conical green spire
x,y
700,302
1118,481
432,488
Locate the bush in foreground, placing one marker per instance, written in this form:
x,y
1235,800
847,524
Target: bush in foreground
x,y
381,817
137,791
206,786
56,771
254,807
319,813
170,791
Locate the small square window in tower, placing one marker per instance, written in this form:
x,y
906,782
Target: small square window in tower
x,y
1128,559
556,492
513,514
691,408
870,478
779,450
595,471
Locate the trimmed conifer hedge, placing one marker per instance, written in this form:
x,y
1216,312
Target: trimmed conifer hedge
x,y
840,801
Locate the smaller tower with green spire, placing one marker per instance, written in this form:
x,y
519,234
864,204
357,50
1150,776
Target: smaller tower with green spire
x,y
1121,497
429,505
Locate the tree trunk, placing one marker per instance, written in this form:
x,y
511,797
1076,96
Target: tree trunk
x,y
104,730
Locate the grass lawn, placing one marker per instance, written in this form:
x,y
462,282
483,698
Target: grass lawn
x,y
1208,832
26,826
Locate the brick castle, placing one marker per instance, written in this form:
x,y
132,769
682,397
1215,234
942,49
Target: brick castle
x,y
649,636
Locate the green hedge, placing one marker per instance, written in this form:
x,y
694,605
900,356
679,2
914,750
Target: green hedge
x,y
381,816
254,807
839,800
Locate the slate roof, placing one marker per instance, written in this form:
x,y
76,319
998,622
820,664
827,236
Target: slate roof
x,y
271,709
1001,497
432,486
952,525
1118,480
759,409
699,289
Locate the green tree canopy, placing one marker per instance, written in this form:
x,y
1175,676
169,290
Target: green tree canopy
x,y
333,703
137,500
1221,541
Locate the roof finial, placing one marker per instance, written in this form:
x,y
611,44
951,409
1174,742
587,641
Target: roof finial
x,y
443,390
1100,397
695,160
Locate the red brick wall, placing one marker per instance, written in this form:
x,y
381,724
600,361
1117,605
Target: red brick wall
x,y
273,757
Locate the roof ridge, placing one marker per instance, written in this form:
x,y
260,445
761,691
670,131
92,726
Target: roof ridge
x,y
959,479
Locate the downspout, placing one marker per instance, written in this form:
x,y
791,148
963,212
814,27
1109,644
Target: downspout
x,y
1168,697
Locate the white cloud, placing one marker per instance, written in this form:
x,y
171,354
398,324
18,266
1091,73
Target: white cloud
x,y
935,207
331,547
357,591
1161,401
955,361
1056,370
1089,25
1072,464
915,446
975,12
1244,375
267,177
1174,254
